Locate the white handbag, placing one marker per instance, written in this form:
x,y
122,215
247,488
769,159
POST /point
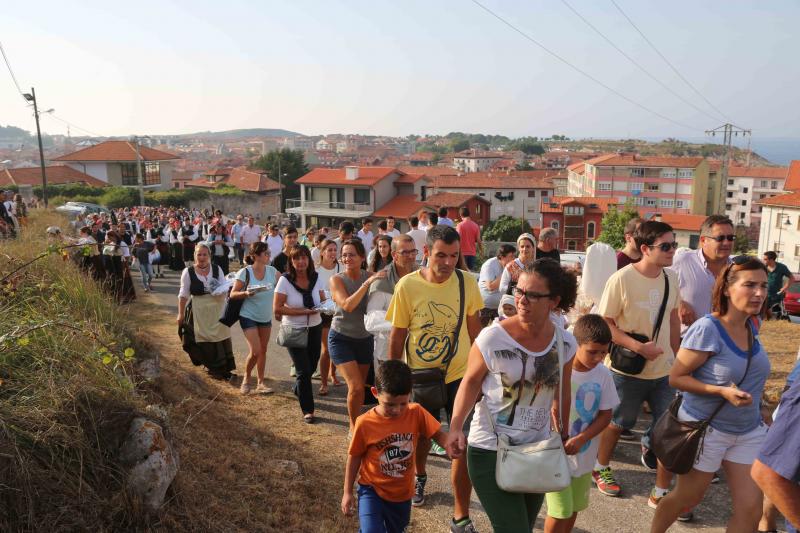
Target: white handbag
x,y
536,467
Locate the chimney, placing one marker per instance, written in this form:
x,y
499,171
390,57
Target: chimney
x,y
351,173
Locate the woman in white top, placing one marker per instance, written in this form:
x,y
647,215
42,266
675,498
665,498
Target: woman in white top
x,y
205,338
514,363
297,296
327,268
424,220
526,245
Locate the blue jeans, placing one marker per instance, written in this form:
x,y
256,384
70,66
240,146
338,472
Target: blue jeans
x,y
377,515
147,274
470,261
632,393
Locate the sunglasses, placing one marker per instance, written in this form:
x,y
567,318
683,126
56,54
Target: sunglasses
x,y
665,246
531,296
720,238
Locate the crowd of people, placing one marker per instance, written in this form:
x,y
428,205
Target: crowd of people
x,y
465,363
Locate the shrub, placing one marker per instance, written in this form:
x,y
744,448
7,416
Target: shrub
x,y
115,197
505,229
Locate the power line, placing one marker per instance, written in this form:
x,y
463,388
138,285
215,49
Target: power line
x,y
675,70
579,70
10,70
75,126
640,67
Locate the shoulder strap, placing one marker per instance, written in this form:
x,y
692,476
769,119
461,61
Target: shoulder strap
x,y
657,325
457,333
560,350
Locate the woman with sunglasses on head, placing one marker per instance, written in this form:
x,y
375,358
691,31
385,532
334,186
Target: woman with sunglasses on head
x,y
526,244
722,365
514,364
297,296
350,344
327,267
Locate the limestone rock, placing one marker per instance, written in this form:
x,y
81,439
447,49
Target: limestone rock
x,y
152,459
149,369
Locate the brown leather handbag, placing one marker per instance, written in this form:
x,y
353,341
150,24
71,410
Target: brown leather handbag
x,y
676,442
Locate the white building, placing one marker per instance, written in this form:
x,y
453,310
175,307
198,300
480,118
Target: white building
x,y
745,186
780,228
475,160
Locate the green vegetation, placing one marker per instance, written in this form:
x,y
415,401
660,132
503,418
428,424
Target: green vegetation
x,y
66,397
114,197
505,229
613,224
291,164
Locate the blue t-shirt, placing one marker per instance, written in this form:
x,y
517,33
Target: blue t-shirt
x,y
780,449
259,306
726,365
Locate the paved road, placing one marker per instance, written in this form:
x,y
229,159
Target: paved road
x,y
627,513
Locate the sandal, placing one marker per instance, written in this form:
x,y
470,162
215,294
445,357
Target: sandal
x,y
308,419
245,388
323,391
263,389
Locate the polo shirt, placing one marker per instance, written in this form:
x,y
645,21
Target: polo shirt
x,y
250,234
695,281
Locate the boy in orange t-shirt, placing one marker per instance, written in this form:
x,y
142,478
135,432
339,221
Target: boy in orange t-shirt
x,y
382,452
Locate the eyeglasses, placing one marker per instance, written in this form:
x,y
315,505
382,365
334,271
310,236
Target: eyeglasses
x,y
348,256
407,253
720,238
665,246
531,296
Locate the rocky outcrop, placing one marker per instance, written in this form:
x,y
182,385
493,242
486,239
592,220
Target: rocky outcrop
x,y
152,460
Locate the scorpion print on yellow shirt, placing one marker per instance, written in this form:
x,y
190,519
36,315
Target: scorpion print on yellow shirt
x,y
430,313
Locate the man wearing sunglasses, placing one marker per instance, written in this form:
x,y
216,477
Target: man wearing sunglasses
x,y
698,270
631,304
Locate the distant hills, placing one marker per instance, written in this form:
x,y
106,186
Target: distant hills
x,y
242,133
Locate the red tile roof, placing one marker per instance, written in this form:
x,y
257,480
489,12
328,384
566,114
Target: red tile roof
x,y
527,179
791,199
757,172
578,168
116,151
412,178
452,199
793,177
337,176
402,206
478,154
56,175
602,204
241,178
683,222
619,160
429,171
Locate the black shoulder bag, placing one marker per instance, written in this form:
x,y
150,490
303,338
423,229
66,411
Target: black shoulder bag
x,y
676,442
230,313
428,384
629,362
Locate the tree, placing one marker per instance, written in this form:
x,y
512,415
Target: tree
x,y
529,147
613,224
742,244
459,145
284,166
524,166
505,229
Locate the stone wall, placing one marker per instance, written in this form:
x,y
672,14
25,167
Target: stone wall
x,y
261,206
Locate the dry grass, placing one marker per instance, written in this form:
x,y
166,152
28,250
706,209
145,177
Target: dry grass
x,y
781,340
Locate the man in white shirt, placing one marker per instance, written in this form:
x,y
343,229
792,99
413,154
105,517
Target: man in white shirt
x,y
249,234
418,235
443,218
366,235
390,229
274,241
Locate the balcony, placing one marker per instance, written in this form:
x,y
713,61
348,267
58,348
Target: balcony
x,y
327,209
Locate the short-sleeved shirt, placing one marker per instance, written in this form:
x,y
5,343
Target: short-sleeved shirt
x,y
780,449
295,299
387,447
366,239
490,271
275,245
696,281
624,260
419,237
259,306
552,254
775,278
726,365
444,221
470,233
250,234
592,392
520,408
430,313
633,300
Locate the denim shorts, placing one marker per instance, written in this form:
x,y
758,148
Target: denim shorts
x,y
344,349
248,323
633,392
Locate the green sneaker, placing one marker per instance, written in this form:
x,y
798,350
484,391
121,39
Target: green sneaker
x,y
438,450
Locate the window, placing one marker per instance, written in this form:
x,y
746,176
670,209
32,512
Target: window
x,y
729,194
762,196
776,247
744,190
423,193
730,182
481,194
666,202
741,216
797,250
571,245
651,187
554,225
764,184
635,186
573,210
744,202
637,172
151,173
686,173
773,185
590,229
728,207
604,186
544,194
680,203
361,196
531,194
650,202
668,172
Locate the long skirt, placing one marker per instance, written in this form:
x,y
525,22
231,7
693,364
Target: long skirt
x,y
116,274
188,251
205,339
176,257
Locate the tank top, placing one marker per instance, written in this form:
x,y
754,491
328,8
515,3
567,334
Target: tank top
x,y
352,324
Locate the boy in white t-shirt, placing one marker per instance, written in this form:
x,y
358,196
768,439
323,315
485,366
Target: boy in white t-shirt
x,y
593,397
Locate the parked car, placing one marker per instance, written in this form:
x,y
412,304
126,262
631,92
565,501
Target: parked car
x,y
791,301
81,208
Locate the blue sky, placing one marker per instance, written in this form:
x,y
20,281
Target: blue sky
x,y
399,67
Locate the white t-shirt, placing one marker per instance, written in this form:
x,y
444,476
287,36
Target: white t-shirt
x,y
490,270
366,239
394,232
419,237
592,391
315,255
250,234
325,276
520,409
275,245
295,299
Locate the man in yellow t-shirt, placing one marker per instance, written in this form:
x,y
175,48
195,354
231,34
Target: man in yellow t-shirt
x,y
424,315
630,304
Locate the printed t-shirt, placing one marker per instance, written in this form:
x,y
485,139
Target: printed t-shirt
x,y
470,232
430,313
387,447
519,407
259,306
592,391
633,301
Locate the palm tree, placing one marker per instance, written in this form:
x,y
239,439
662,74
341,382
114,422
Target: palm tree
x,y
520,384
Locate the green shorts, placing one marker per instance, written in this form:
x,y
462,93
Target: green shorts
x,y
571,500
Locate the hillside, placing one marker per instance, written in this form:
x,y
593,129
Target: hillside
x,y
241,133
673,147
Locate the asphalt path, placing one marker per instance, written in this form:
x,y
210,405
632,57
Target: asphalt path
x,y
626,513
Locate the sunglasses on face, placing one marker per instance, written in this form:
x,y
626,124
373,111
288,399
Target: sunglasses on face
x,y
665,246
720,238
531,296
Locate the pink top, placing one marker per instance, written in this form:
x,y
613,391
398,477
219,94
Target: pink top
x,y
470,233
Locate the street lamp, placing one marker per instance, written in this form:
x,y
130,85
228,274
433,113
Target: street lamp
x,y
780,232
135,140
31,97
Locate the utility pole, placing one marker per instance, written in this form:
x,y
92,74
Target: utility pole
x,y
280,185
32,98
139,171
728,131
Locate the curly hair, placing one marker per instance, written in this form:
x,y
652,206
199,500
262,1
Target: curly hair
x,y
560,282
